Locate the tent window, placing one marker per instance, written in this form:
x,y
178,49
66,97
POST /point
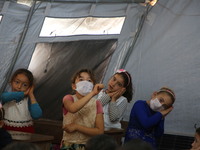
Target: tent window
x,y
25,2
53,65
53,27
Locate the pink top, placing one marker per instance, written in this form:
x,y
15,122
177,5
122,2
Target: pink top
x,y
69,97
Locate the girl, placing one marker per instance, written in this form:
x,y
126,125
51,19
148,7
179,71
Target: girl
x,y
147,117
196,143
20,104
116,97
82,114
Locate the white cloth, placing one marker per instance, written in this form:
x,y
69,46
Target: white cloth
x,y
17,114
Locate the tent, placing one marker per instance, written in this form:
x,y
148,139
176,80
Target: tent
x,y
159,45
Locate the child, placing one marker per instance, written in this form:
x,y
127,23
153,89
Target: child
x,y
147,117
102,142
82,114
196,143
20,104
136,144
5,137
116,97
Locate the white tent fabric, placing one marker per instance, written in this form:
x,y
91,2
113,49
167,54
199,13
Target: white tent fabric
x,y
166,52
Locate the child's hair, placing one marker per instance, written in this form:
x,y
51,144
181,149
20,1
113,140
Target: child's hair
x,y
25,72
127,83
168,91
77,74
22,145
137,144
1,114
198,131
101,142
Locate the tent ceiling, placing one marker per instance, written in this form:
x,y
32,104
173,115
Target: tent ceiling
x,y
87,1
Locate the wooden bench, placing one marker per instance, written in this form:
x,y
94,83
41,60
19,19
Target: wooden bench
x,y
43,141
54,128
49,127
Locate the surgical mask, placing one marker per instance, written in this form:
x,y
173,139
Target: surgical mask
x,y
84,87
155,105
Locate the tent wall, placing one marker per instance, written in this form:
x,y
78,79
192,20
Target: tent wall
x,y
165,54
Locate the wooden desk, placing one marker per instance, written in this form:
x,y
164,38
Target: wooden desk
x,y
116,133
43,141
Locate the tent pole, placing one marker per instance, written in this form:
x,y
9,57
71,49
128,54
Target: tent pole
x,y
10,69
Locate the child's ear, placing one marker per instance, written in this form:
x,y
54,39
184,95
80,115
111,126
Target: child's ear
x,y
73,86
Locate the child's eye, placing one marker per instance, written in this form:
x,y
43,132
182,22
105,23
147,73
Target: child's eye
x,y
161,100
90,80
120,85
25,85
16,82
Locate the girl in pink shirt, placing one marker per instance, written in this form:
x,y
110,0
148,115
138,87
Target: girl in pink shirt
x,y
82,113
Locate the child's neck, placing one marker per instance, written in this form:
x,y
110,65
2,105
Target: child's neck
x,y
78,95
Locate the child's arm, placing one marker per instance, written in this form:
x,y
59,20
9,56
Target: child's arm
x,y
116,111
10,96
98,129
159,130
74,107
104,98
145,120
35,110
34,107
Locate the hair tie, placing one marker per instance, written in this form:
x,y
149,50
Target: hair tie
x,y
123,70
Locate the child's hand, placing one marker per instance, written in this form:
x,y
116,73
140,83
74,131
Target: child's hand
x,y
70,127
97,88
29,92
166,111
26,92
31,89
115,95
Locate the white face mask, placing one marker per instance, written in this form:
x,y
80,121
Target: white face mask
x,y
84,87
155,105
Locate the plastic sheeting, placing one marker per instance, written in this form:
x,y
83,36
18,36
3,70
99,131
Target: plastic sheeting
x,y
166,52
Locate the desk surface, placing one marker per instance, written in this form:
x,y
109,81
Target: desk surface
x,y
30,137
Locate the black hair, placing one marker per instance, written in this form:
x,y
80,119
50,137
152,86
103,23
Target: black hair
x,y
101,142
2,113
21,146
127,84
137,144
25,72
198,131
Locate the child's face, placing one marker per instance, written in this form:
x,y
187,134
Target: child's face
x,y
115,83
164,99
20,83
196,143
84,76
